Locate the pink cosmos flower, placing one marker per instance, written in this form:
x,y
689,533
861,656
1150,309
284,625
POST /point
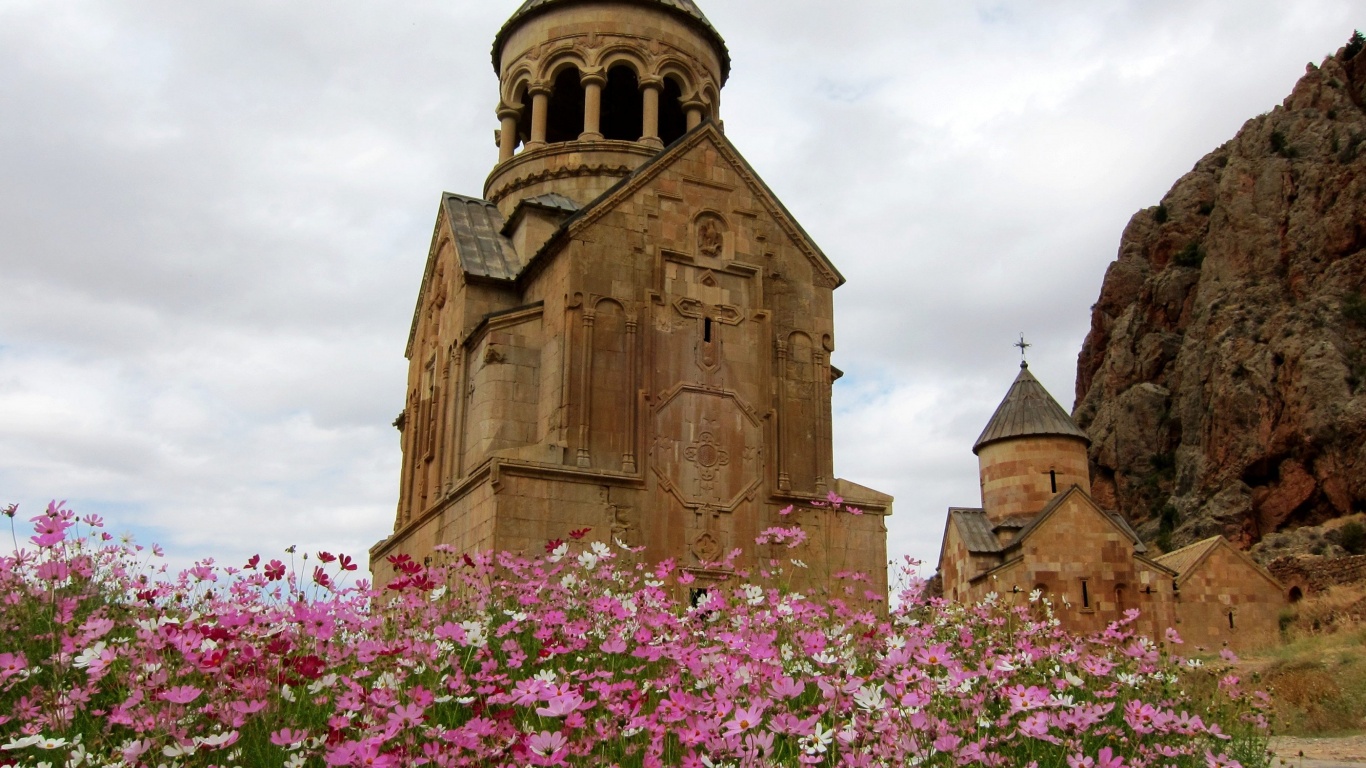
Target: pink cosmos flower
x,y
49,530
561,705
181,694
947,743
406,715
1220,761
787,688
745,718
1035,726
1106,759
546,743
12,664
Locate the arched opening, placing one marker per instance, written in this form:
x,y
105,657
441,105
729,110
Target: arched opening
x,y
1296,594
523,116
673,121
564,119
1121,597
623,106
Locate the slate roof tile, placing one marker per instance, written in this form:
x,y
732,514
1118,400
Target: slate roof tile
x,y
1028,410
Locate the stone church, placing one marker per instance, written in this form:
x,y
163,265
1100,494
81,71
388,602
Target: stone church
x,y
627,332
1039,529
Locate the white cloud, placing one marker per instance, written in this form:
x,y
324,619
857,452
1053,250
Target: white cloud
x,y
213,221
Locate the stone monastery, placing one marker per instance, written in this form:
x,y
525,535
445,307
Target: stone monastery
x,y
628,332
1039,529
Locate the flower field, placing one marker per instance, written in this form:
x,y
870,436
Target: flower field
x,y
577,657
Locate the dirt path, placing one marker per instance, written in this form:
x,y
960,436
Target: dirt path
x,y
1339,752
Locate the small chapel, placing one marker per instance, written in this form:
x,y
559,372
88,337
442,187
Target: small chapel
x,y
1039,530
626,332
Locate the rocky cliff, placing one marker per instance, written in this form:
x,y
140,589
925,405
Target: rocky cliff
x,y
1223,381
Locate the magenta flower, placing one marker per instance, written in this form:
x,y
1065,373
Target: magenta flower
x,y
182,694
546,743
1220,761
406,715
561,705
744,719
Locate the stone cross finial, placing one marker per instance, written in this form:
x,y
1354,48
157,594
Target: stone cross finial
x,y
1023,345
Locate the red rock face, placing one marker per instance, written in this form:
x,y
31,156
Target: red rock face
x,y
1223,382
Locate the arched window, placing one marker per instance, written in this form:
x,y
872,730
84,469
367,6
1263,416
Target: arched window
x,y
623,106
673,121
564,120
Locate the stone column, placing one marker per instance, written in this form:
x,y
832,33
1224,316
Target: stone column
x,y
784,479
650,130
583,458
628,461
507,136
592,105
694,109
540,108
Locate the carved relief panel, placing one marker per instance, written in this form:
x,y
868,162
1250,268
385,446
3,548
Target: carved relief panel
x,y
708,448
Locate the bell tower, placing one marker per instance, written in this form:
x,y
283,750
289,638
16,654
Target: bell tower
x,y
591,89
628,334
1029,452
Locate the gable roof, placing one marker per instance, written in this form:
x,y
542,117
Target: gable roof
x,y
975,528
685,9
707,131
481,250
1187,560
1114,518
1182,559
480,246
1028,410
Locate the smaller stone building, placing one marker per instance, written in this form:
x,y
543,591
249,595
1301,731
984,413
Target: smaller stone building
x,y
1039,529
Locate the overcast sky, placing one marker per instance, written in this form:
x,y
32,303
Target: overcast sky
x,y
214,218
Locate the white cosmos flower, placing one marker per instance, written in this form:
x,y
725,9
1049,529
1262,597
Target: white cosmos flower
x,y
326,682
216,740
869,697
23,743
177,750
88,656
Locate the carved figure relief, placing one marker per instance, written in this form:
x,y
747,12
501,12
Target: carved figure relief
x,y
439,285
710,239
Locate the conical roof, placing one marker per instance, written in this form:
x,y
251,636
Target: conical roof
x,y
685,8
1028,410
